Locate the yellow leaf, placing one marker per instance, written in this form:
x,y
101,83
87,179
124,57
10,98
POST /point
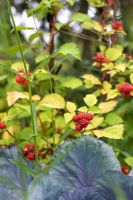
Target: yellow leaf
x,y
12,97
36,97
90,100
131,78
94,80
97,26
108,106
71,107
68,117
114,132
95,122
53,101
18,66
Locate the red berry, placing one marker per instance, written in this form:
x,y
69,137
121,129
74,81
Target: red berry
x,y
126,89
18,79
21,77
117,26
25,82
81,115
84,123
75,118
27,148
125,170
78,127
30,156
89,116
99,59
2,125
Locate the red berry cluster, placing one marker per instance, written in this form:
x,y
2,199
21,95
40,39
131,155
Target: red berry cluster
x,y
29,151
117,26
100,59
125,89
21,77
2,125
125,170
81,120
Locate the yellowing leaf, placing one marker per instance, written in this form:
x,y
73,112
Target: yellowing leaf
x,y
131,78
71,107
19,65
90,100
12,97
114,132
114,53
94,80
36,98
108,106
106,87
121,67
112,94
95,122
97,26
68,117
83,109
53,101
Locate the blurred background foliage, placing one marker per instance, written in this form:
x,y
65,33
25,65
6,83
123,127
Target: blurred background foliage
x,y
88,42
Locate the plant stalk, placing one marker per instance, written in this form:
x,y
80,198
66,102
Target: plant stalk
x,y
29,89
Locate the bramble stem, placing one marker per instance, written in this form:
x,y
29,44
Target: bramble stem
x,y
32,106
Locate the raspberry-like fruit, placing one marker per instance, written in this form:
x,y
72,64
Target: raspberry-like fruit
x,y
89,116
125,89
84,122
100,59
125,170
27,148
81,120
117,26
21,77
78,127
30,156
2,125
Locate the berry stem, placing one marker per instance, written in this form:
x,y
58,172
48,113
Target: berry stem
x,y
32,106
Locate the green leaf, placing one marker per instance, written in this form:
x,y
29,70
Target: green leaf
x,y
25,134
113,53
90,100
80,17
129,161
87,25
42,58
72,83
114,132
70,49
71,107
36,35
71,2
113,119
20,28
64,136
53,101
